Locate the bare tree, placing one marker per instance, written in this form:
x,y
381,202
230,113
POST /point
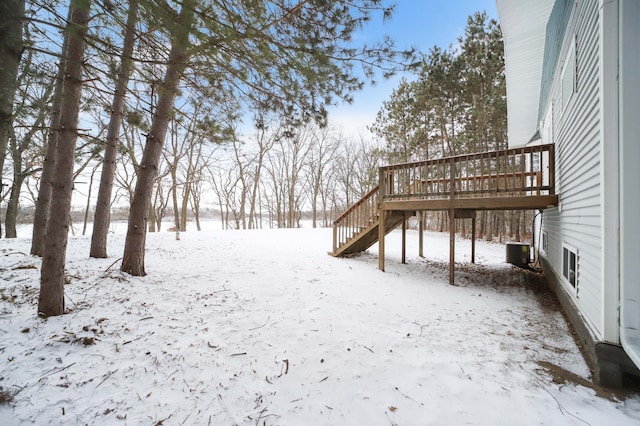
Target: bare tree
x,y
173,154
224,184
285,167
27,139
242,163
197,165
159,202
356,170
322,154
188,134
126,174
265,138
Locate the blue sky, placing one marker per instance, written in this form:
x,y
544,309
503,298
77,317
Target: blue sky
x,y
418,23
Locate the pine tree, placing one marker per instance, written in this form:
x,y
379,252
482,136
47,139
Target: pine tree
x,y
11,46
51,298
296,59
103,205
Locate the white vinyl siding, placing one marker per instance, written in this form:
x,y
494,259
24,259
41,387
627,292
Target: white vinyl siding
x,y
576,132
569,75
630,176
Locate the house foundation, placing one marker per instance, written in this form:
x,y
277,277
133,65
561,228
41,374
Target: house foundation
x,y
610,364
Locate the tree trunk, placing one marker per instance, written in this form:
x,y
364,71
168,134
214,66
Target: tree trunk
x,y
253,215
195,208
243,183
51,299
174,199
102,215
152,219
12,206
184,208
133,257
88,206
41,213
11,47
17,150
221,209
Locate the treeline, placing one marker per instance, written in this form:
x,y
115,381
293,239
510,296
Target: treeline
x,y
456,104
165,106
143,94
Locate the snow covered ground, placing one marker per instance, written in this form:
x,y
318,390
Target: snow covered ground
x,y
264,328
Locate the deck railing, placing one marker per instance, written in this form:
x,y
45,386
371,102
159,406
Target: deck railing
x,y
526,171
511,172
357,218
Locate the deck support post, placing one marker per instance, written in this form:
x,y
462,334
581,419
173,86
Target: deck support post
x,y
404,238
335,238
381,232
452,245
421,234
452,221
473,238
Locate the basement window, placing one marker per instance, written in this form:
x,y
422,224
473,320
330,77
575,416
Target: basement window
x,y
570,265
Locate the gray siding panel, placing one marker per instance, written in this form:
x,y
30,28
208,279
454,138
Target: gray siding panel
x,y
576,132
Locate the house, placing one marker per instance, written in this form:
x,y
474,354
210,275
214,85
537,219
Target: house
x,y
573,81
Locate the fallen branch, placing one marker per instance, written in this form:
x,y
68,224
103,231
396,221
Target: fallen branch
x,y
111,266
138,338
15,252
57,370
103,380
264,416
19,267
562,409
255,328
422,326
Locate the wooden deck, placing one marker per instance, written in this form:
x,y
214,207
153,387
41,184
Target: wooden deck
x,y
512,179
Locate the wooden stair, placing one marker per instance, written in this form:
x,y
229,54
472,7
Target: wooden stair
x,y
368,236
357,228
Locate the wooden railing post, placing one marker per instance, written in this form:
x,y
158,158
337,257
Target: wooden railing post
x,y
381,184
452,179
381,218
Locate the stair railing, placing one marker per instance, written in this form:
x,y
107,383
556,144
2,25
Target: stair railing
x,y
356,219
